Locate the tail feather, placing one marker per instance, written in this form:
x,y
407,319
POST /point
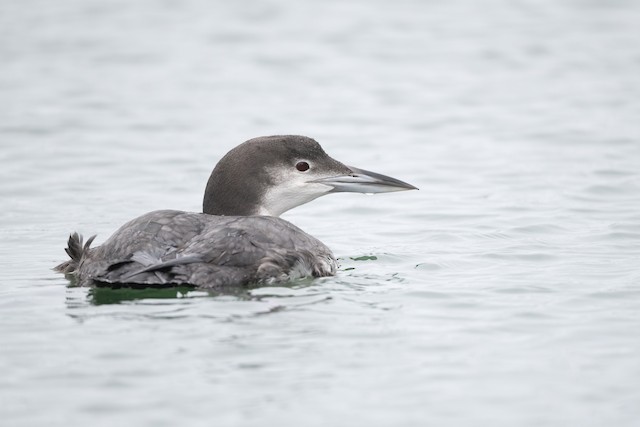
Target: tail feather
x,y
76,249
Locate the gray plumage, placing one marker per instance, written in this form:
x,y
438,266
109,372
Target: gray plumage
x,y
171,248
238,239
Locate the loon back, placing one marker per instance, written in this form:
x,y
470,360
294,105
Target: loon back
x,y
173,248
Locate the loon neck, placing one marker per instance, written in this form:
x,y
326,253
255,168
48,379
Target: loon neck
x,y
228,197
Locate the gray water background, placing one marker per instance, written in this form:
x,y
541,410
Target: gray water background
x,y
506,292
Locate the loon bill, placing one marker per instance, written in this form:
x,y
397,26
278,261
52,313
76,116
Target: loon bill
x,y
239,238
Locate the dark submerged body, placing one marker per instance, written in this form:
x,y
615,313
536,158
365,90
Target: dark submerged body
x,y
174,248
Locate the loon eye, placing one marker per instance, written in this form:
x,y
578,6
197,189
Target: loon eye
x,y
302,166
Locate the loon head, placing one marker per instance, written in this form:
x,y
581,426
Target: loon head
x,y
270,175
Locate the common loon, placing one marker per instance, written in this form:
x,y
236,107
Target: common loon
x,y
238,239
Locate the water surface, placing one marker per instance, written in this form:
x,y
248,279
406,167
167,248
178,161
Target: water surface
x,y
505,292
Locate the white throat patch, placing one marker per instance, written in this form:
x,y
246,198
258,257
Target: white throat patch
x,y
292,189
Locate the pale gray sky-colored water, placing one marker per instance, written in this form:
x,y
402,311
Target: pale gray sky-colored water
x,y
505,292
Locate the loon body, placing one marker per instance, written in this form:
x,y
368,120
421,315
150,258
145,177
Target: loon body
x,y
239,238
